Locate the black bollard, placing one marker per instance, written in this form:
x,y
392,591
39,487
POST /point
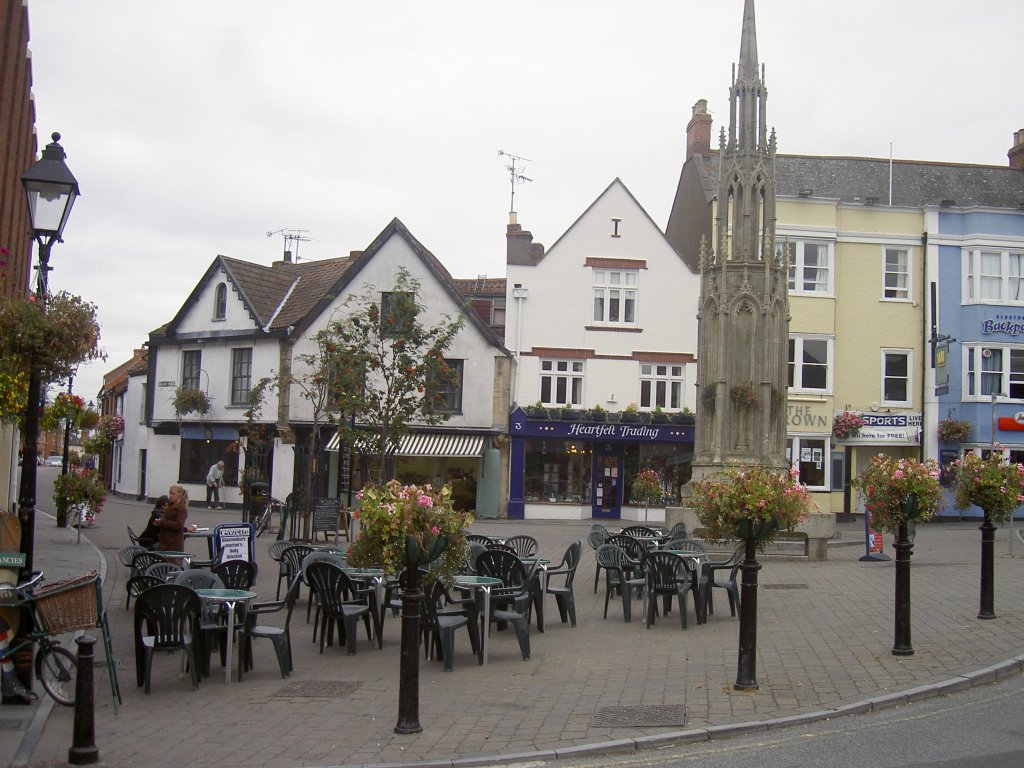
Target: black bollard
x,y
409,671
988,541
83,741
901,645
746,673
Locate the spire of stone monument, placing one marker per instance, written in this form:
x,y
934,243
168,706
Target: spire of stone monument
x,y
744,306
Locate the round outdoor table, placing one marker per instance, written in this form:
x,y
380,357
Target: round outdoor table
x,y
484,584
230,598
185,557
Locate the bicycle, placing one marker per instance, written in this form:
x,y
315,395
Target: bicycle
x,y
56,667
262,518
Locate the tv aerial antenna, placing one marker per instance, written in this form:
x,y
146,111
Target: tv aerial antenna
x,y
291,238
515,174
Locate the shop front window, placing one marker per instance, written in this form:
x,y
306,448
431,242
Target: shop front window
x,y
557,471
807,455
673,463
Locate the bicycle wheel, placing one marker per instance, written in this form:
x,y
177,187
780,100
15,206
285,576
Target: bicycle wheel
x,y
57,670
262,521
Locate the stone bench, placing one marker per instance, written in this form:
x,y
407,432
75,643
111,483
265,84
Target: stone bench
x,y
808,541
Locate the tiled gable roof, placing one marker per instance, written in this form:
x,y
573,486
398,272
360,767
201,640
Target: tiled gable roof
x,y
915,183
488,286
116,378
284,293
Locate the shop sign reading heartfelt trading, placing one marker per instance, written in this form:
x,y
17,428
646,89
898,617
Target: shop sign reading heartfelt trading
x,y
633,433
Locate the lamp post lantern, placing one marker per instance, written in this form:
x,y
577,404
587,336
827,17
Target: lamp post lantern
x,y
52,190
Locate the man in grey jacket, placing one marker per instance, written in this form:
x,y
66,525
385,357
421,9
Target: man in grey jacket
x,y
214,480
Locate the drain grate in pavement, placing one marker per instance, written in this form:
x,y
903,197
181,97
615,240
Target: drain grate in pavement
x,y
317,689
12,725
642,716
786,586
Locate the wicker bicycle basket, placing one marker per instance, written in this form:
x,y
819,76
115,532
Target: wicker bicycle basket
x,y
67,604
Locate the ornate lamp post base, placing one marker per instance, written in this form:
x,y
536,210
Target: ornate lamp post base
x,y
746,673
988,540
409,671
901,645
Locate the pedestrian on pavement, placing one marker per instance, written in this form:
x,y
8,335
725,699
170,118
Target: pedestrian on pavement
x,y
148,537
214,480
172,524
9,682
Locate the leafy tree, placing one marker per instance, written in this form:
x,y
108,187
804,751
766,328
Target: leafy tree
x,y
378,361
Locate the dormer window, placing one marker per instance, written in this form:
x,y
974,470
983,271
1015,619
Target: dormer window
x,y
220,302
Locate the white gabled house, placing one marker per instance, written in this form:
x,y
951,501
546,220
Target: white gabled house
x,y
244,321
603,327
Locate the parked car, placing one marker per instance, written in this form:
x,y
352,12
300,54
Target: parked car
x,y
54,460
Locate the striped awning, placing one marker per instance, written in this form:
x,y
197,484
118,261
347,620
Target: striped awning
x,y
431,444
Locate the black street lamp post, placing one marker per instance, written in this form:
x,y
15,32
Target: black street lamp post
x,y
68,423
988,540
51,189
746,672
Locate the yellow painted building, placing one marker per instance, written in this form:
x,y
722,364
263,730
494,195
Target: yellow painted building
x,y
856,298
856,294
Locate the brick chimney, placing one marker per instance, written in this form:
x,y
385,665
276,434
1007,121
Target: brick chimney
x,y
1016,153
698,132
520,248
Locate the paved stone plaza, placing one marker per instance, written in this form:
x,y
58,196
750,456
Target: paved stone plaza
x,y
824,635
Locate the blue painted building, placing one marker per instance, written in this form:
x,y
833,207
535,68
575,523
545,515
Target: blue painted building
x,y
975,315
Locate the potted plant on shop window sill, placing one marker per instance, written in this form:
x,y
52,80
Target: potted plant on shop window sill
x,y
658,416
568,413
537,411
630,414
684,416
597,413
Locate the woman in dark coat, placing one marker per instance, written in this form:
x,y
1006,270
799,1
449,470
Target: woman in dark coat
x,y
149,536
172,524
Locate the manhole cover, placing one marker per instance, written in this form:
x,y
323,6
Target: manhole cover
x,y
642,716
317,689
786,586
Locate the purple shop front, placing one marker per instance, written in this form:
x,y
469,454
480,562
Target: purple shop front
x,y
573,466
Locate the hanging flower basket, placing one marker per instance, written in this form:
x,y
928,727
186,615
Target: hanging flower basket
x,y
53,338
79,488
954,431
992,484
189,400
750,502
744,397
402,525
899,490
847,424
421,554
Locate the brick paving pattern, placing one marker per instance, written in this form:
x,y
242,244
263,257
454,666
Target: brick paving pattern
x,y
819,648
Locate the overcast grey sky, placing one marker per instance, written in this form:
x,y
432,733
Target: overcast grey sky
x,y
196,127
